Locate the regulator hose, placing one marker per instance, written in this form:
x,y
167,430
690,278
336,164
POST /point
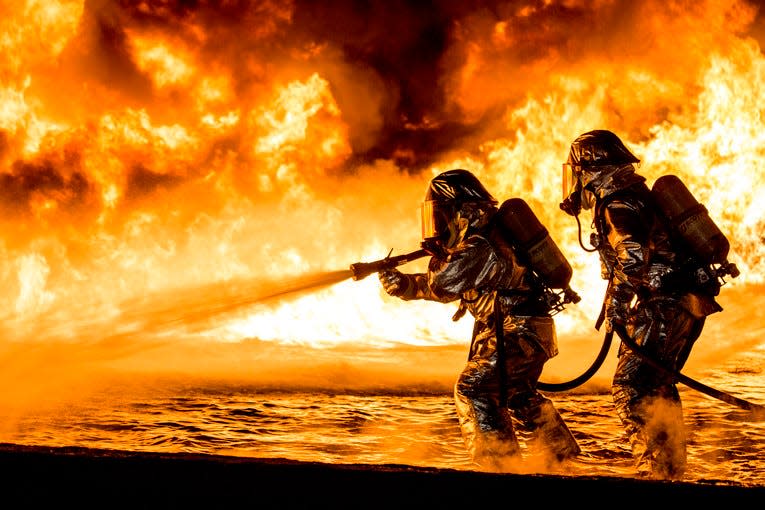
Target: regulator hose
x,y
586,375
758,411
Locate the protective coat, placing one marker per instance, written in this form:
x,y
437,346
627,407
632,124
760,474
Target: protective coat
x,y
497,387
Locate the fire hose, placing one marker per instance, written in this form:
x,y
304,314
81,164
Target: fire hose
x,y
361,270
758,411
586,375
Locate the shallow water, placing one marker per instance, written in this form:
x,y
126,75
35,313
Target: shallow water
x,y
414,427
357,403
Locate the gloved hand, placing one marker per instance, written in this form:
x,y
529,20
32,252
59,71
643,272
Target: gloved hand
x,y
394,282
616,313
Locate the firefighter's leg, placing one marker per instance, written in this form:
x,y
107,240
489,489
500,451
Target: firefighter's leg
x,y
525,361
487,430
648,403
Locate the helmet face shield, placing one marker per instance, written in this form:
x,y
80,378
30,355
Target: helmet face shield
x,y
575,196
435,219
569,179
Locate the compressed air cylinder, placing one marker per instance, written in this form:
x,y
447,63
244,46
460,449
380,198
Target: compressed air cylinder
x,y
534,242
690,220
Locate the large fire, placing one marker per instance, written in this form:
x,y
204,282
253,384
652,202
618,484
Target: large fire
x,y
164,161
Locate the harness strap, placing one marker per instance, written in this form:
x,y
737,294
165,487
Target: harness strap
x,y
499,326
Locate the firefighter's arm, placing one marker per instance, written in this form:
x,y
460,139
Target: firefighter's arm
x,y
628,235
407,286
617,305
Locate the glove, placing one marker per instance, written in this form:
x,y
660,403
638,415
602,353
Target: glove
x,y
616,313
394,282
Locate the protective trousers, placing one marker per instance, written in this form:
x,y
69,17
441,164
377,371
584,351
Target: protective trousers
x,y
494,390
647,400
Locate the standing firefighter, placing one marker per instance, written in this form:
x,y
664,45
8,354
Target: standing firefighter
x,y
499,381
657,294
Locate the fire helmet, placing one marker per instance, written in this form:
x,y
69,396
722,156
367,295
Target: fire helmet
x,y
599,148
452,196
590,155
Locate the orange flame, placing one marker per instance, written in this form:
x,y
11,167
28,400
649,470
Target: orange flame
x,y
158,148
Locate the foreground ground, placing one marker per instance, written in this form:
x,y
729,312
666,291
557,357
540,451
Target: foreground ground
x,y
46,477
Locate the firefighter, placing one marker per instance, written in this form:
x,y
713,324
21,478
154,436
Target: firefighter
x,y
499,382
649,292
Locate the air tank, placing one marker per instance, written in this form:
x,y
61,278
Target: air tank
x,y
533,241
690,220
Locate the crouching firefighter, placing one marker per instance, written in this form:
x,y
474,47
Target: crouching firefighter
x,y
513,334
661,287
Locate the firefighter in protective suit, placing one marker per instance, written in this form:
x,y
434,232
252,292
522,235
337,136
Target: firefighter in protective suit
x,y
661,313
498,383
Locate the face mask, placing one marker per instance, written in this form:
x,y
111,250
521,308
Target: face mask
x,y
457,230
575,196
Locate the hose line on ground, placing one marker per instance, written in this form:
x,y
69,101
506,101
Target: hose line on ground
x,y
586,375
758,411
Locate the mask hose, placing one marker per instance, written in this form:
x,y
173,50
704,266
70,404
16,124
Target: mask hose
x,y
579,235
